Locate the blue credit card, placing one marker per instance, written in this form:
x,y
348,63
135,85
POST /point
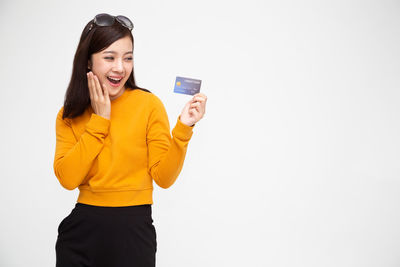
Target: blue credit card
x,y
187,86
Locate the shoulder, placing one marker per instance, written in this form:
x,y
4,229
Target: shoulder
x,y
146,98
152,100
60,116
141,94
60,113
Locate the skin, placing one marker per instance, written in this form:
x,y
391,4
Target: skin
x,y
116,61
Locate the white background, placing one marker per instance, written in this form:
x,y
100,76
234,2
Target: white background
x,y
296,162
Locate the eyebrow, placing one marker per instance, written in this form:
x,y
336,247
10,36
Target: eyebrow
x,y
113,52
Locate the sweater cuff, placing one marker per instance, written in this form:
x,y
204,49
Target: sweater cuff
x,y
182,131
98,123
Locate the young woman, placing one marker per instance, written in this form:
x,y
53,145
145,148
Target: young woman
x,y
112,140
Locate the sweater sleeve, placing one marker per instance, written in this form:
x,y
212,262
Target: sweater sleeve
x,y
165,154
73,159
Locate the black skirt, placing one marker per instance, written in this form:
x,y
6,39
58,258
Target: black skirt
x,y
94,236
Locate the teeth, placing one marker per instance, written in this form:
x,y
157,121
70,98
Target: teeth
x,y
114,79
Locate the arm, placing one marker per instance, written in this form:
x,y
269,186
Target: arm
x,y
165,154
73,159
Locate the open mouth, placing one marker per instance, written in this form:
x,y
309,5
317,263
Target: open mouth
x,y
114,80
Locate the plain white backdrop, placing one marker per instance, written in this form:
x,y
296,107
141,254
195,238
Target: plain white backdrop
x,y
296,162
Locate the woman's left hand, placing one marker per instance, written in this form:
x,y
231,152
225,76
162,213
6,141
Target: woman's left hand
x,y
194,109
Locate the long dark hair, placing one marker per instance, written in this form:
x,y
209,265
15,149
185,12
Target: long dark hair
x,y
77,96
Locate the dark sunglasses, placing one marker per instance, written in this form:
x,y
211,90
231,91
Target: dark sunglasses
x,y
108,20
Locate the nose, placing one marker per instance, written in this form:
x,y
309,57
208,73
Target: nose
x,y
118,66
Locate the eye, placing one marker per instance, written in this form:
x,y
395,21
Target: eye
x,y
129,58
111,58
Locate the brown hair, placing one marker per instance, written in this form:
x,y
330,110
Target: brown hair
x,y
77,96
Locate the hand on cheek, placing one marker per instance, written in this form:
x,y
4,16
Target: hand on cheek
x,y
100,100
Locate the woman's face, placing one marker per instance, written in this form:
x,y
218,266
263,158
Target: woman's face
x,y
113,66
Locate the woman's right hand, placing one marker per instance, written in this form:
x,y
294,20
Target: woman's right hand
x,y
100,100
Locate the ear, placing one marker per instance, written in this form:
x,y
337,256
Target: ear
x,y
89,64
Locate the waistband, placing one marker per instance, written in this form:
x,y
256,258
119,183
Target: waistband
x,y
126,210
115,198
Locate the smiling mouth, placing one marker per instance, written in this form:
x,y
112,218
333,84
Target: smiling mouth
x,y
114,80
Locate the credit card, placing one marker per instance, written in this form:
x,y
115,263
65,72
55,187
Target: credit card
x,y
187,86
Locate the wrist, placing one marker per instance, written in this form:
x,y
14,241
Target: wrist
x,y
186,123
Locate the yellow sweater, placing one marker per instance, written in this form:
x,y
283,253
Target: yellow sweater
x,y
113,162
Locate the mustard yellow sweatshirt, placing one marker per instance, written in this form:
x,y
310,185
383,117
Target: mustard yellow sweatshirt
x,y
114,162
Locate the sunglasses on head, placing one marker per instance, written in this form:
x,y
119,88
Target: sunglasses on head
x,y
108,20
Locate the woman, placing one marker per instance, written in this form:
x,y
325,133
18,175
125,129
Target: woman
x,y
113,140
